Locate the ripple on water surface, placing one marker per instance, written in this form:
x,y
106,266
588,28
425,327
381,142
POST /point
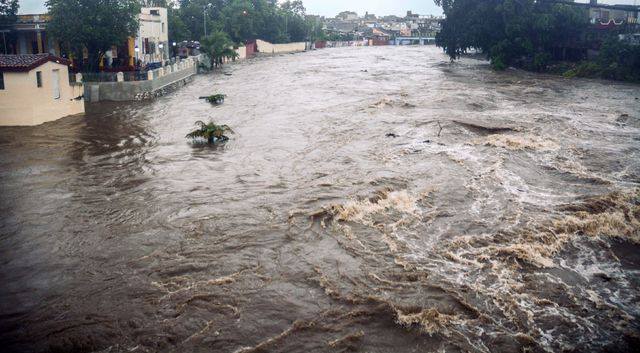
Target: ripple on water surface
x,y
371,199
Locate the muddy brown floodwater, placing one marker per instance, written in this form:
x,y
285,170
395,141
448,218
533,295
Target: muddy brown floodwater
x,y
371,200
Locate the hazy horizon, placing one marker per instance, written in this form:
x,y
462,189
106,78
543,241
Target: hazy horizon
x,y
330,8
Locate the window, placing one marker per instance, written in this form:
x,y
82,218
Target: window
x,y
1,80
155,12
55,83
39,78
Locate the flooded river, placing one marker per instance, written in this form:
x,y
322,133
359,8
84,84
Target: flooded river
x,y
371,200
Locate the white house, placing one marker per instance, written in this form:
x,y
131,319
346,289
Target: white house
x,y
152,41
35,88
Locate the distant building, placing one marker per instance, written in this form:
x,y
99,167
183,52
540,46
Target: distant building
x,y
602,14
412,16
151,43
380,36
619,14
35,88
31,37
380,30
347,16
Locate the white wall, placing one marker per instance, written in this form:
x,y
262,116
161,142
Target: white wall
x,y
156,30
24,103
268,48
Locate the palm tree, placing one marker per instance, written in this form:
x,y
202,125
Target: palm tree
x,y
218,46
210,131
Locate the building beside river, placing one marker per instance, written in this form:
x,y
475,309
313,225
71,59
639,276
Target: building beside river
x,y
151,43
35,88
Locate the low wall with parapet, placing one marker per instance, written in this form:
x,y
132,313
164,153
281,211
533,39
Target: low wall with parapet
x,y
339,44
158,80
269,48
242,53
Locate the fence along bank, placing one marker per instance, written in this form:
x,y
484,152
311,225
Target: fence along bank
x,y
123,86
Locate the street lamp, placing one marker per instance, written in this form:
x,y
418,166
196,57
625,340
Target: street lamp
x,y
204,17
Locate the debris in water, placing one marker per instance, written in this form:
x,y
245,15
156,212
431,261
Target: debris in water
x,y
515,143
485,129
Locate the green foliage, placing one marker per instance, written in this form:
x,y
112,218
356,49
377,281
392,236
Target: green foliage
x,y
615,61
619,61
8,16
583,69
8,12
244,20
541,61
510,32
218,46
215,98
92,24
178,30
210,132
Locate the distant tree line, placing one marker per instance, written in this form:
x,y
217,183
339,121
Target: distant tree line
x,y
533,35
241,20
8,16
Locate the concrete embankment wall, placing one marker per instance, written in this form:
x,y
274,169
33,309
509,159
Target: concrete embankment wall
x,y
269,48
158,80
242,53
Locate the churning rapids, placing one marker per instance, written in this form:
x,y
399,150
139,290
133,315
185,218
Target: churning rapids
x,y
371,200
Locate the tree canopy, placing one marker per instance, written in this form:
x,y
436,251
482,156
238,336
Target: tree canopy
x,y
94,25
511,32
8,16
218,46
536,35
243,20
8,12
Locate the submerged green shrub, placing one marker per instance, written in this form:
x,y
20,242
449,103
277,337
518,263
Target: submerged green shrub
x,y
211,132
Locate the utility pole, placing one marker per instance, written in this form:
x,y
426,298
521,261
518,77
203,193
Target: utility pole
x,y
204,17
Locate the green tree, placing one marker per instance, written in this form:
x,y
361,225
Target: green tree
x,y
8,12
94,25
178,30
523,33
218,46
296,28
619,61
295,7
195,13
8,16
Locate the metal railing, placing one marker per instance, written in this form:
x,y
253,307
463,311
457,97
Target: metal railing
x,y
113,76
150,73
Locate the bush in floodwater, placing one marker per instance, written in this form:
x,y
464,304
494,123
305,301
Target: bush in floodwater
x,y
210,132
216,99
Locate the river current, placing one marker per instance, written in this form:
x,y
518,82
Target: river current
x,y
377,199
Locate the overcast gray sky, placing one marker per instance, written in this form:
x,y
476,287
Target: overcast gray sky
x,y
332,7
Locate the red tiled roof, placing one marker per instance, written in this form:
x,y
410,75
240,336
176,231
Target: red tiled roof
x,y
26,62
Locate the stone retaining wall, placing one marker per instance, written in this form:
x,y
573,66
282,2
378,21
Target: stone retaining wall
x,y
158,82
